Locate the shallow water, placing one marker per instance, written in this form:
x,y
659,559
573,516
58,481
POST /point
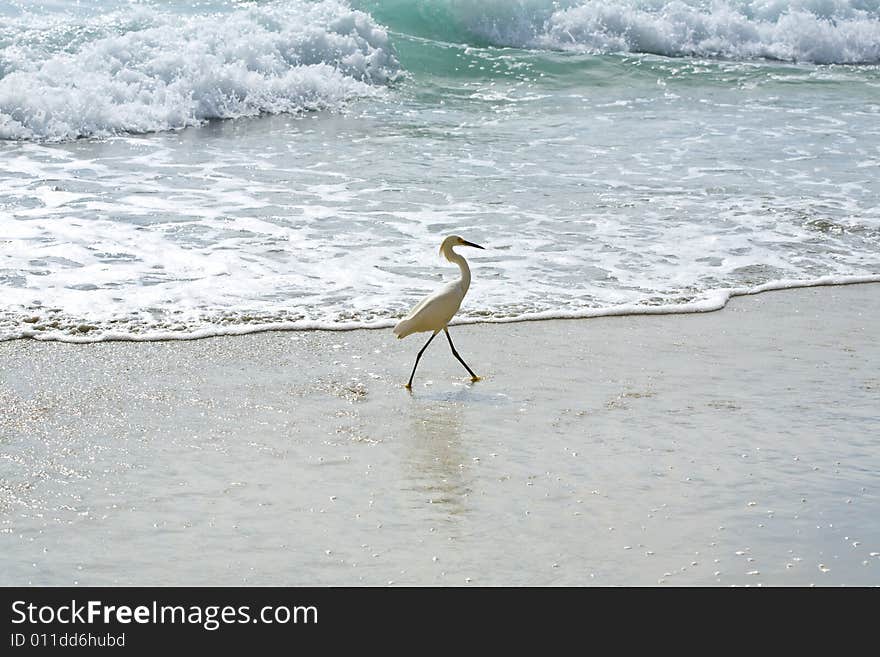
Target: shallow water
x,y
170,171
704,450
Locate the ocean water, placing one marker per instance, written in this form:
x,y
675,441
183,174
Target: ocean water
x,y
178,170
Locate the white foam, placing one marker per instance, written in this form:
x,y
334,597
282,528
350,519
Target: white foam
x,y
628,199
711,301
150,70
172,246
817,31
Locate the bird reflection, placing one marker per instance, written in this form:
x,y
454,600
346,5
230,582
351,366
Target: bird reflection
x,y
438,464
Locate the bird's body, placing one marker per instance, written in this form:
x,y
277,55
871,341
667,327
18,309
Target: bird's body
x,y
434,312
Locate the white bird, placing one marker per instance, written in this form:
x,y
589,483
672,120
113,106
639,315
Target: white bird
x,y
434,312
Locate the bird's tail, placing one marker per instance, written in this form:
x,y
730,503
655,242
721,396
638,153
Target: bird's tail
x,y
402,329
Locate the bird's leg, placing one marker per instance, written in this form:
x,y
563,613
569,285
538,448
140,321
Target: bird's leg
x,y
409,385
474,377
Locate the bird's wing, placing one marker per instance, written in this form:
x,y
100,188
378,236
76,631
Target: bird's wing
x,y
433,312
435,298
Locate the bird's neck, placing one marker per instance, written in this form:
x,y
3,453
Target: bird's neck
x,y
463,266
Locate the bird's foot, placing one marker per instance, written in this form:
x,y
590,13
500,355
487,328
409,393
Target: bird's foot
x,y
408,386
476,378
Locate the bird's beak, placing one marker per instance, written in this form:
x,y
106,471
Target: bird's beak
x,y
466,243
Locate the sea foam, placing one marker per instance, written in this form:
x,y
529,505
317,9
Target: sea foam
x,y
815,31
711,301
811,31
147,70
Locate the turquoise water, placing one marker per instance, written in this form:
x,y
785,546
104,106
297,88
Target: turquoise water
x,y
179,170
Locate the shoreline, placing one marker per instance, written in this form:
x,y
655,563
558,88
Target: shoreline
x,y
731,448
718,300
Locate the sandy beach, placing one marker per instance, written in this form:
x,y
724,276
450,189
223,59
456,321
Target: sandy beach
x,y
729,448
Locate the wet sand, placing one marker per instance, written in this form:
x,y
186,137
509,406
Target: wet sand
x,y
731,448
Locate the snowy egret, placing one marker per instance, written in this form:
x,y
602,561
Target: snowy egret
x,y
434,311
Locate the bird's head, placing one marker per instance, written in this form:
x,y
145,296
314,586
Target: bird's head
x,y
454,240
